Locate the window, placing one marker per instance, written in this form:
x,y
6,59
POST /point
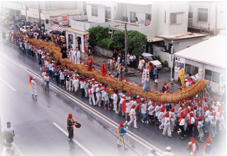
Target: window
x,y
84,8
173,18
50,5
94,11
189,69
132,16
71,4
212,76
190,13
176,18
203,14
107,13
147,19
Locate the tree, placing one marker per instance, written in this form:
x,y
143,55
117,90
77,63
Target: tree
x,y
97,34
136,42
117,41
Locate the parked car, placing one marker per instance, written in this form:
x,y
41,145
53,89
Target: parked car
x,y
150,57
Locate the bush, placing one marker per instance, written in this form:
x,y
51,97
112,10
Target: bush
x,y
104,43
166,64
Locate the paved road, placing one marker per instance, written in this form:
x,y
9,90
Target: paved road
x,y
37,135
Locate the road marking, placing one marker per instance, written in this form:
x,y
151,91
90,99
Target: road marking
x,y
2,66
90,109
81,146
8,84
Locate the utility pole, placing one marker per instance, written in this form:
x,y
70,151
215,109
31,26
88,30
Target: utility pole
x,y
126,69
172,60
39,14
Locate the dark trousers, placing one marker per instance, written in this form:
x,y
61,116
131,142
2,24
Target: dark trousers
x,y
62,82
70,131
182,131
152,76
57,79
190,127
82,92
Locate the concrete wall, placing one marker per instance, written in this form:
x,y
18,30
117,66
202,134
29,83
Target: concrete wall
x,y
101,11
216,88
163,55
210,24
103,52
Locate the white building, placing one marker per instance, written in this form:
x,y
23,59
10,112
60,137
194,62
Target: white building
x,y
207,16
208,59
49,11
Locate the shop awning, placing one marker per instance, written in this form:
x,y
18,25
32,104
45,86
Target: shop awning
x,y
77,31
54,27
58,28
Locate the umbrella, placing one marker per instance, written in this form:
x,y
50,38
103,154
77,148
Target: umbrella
x,y
7,135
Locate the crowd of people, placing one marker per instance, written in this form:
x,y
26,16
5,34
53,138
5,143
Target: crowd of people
x,y
199,112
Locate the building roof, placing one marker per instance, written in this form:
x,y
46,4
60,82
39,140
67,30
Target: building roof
x,y
181,36
77,31
211,51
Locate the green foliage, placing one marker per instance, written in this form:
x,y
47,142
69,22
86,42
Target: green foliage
x,y
97,34
104,43
117,41
136,42
166,63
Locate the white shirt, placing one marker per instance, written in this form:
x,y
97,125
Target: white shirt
x,y
151,110
143,108
11,129
62,75
98,94
182,122
115,98
133,112
157,110
76,83
33,84
173,118
168,154
211,118
166,121
46,78
106,97
206,115
81,84
192,120
128,106
133,102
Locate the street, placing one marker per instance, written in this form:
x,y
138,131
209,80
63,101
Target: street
x,y
40,125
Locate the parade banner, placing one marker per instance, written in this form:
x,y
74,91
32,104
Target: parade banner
x,y
181,74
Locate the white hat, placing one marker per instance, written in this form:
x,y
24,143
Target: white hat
x,y
168,148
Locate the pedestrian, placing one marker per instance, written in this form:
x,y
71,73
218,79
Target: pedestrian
x,y
115,100
213,128
62,77
91,95
89,63
56,74
32,85
121,135
70,124
76,82
150,111
167,127
122,98
191,124
157,111
104,68
182,123
63,51
156,79
47,81
153,153
77,56
82,88
193,147
207,147
144,111
207,122
145,79
72,54
9,129
132,114
98,95
199,125
172,118
164,87
168,152
154,73
140,66
106,99
161,117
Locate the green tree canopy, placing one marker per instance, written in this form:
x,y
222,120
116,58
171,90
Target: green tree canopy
x,y
97,34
